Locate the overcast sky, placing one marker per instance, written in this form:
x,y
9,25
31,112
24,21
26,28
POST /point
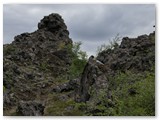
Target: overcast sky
x,y
92,24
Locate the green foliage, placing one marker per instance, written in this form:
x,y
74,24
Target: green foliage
x,y
59,108
142,103
77,52
81,106
102,48
111,45
115,41
76,47
79,60
122,79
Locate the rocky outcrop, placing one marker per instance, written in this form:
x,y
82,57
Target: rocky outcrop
x,y
136,54
92,77
33,61
30,108
65,87
133,54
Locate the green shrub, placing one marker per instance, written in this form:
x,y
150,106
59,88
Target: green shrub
x,y
79,60
59,108
140,104
114,43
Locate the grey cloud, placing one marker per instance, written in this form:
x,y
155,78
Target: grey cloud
x,y
92,24
121,19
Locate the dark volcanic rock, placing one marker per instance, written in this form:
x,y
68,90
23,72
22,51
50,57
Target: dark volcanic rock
x,y
132,54
33,61
54,23
93,79
65,87
62,54
30,108
8,99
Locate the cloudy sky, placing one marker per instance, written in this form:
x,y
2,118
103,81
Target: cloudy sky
x,y
93,24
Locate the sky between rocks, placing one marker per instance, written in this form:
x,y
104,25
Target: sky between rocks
x,y
93,24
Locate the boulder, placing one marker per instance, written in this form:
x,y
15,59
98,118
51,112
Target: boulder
x,y
65,87
53,23
30,108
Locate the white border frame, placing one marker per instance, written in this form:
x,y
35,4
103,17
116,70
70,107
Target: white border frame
x,y
85,2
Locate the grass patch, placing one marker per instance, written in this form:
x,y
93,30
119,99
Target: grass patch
x,y
59,108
